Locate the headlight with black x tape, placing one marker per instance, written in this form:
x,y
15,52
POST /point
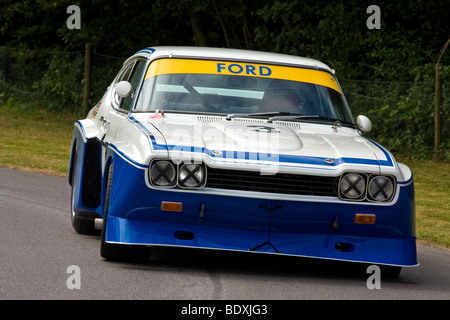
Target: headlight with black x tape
x,y
163,174
166,174
353,186
191,175
361,187
380,188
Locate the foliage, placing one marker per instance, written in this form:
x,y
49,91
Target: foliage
x,y
405,49
411,34
61,85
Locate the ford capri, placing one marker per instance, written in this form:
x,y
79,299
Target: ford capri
x,y
237,150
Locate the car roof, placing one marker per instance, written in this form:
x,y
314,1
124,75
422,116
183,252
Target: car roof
x,y
228,54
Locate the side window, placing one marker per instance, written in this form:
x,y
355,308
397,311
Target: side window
x,y
124,75
133,77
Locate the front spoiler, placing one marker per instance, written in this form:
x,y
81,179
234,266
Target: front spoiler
x,y
385,251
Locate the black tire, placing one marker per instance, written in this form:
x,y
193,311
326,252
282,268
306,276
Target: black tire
x,y
119,252
390,272
82,224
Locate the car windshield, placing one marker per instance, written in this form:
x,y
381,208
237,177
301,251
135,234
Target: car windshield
x,y
241,89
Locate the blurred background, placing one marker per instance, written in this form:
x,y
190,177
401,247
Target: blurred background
x,y
388,74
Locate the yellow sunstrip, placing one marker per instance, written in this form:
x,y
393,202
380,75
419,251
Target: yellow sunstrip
x,y
172,66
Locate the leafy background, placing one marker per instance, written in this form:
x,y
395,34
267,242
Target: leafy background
x,y
387,74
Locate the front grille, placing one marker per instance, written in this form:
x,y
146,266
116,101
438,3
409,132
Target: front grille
x,y
278,183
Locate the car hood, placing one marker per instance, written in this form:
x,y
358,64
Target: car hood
x,y
256,142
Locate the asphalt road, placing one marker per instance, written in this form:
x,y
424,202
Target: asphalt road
x,y
38,247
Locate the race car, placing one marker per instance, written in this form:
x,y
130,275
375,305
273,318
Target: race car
x,y
237,150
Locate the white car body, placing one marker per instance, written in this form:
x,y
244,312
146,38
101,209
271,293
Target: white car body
x,y
214,135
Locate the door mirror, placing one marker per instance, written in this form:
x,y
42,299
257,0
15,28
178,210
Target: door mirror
x,y
123,89
364,124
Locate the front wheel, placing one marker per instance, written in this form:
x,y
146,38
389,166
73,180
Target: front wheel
x,y
119,252
390,272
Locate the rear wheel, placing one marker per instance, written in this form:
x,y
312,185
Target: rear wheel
x,y
119,252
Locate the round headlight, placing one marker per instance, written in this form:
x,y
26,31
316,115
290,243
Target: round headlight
x,y
163,174
191,176
381,188
353,186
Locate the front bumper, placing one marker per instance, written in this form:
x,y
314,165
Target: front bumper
x,y
319,229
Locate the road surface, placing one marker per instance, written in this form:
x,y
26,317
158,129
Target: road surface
x,y
43,258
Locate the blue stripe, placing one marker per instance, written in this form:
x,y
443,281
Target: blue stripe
x,y
83,132
285,158
150,136
389,158
146,50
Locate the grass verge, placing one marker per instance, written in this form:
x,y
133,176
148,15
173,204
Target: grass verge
x,y
40,142
35,141
432,185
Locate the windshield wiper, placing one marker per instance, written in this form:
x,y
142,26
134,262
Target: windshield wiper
x,y
257,114
306,117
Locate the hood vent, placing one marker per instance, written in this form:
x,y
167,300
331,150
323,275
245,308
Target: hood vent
x,y
293,126
208,120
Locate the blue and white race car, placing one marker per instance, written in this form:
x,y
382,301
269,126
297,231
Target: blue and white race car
x,y
237,150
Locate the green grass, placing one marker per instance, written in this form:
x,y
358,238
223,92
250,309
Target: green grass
x,y
35,141
432,191
40,142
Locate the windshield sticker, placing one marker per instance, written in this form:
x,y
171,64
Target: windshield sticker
x,y
173,66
